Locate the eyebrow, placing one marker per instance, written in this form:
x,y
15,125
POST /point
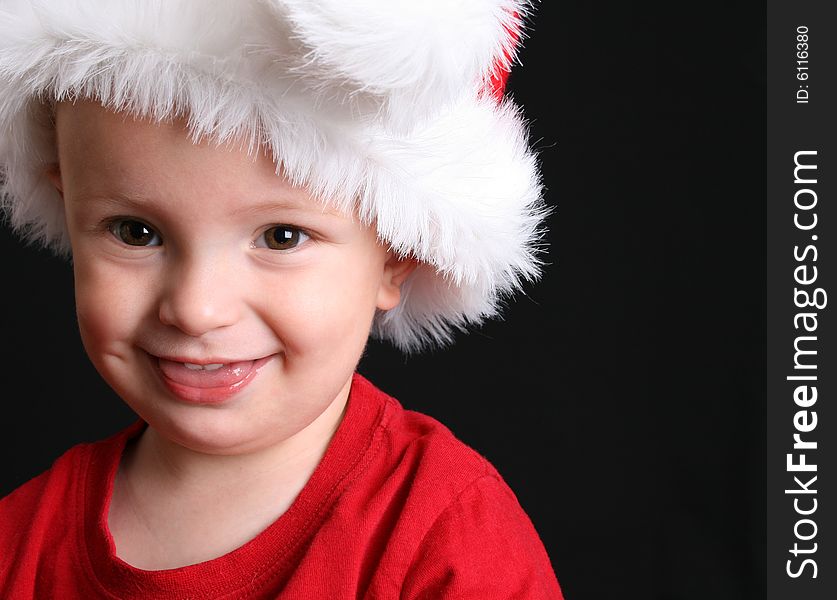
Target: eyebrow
x,y
139,201
273,205
121,199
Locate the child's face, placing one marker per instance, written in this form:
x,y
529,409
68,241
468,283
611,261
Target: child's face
x,y
201,254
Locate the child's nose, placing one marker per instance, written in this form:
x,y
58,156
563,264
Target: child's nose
x,y
200,296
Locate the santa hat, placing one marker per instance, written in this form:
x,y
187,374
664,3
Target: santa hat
x,y
392,108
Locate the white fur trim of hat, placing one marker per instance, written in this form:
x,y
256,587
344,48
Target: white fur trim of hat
x,y
380,106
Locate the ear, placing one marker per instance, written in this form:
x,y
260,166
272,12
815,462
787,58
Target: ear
x,y
396,271
53,173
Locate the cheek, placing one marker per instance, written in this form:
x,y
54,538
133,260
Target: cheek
x,y
109,305
331,308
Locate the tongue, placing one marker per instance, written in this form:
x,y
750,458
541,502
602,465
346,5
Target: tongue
x,y
225,376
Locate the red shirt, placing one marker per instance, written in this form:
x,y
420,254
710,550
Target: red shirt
x,y
397,508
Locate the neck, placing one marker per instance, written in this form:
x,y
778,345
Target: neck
x,y
165,493
176,468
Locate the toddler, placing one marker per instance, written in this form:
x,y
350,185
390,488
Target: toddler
x,y
248,190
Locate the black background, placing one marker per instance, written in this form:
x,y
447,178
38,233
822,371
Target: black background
x,y
621,396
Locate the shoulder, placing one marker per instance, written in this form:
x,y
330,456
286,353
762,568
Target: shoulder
x,y
427,454
412,461
482,545
38,507
460,530
41,489
52,501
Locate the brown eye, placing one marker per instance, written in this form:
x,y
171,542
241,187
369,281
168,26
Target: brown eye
x,y
283,237
135,233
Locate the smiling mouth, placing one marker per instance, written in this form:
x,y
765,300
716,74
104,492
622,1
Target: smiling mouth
x,y
207,383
